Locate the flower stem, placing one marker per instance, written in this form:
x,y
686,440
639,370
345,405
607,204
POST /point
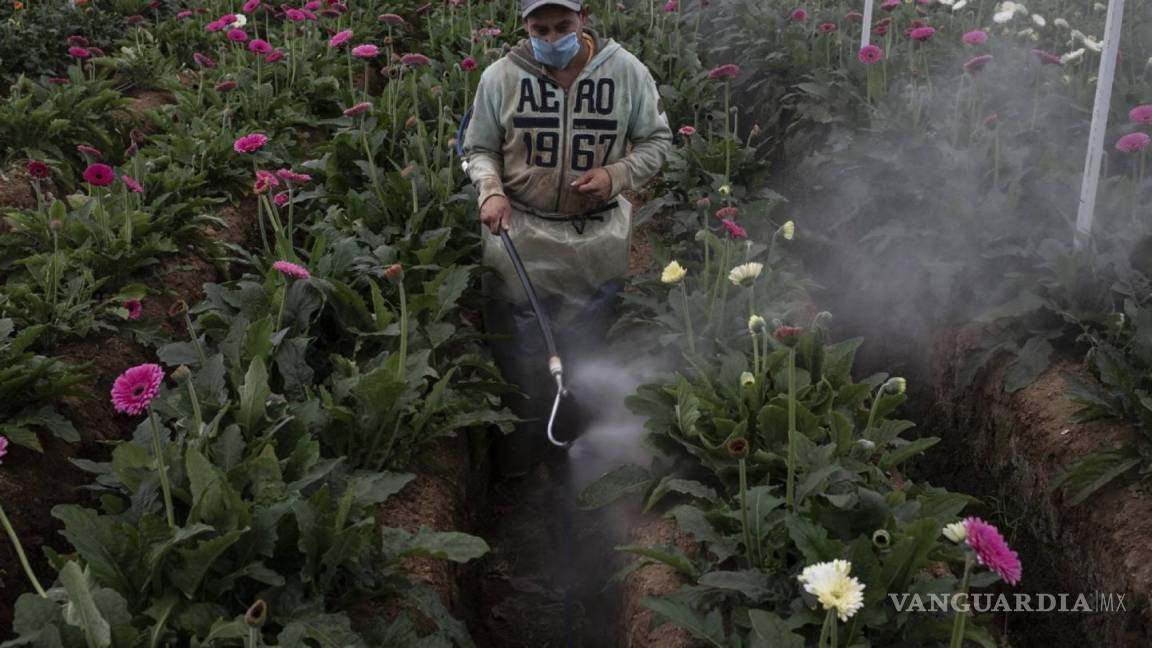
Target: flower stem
x,y
828,631
749,547
961,616
403,332
20,553
688,320
789,492
162,469
280,311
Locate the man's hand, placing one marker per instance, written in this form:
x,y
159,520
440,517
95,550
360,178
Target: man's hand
x,y
496,213
595,184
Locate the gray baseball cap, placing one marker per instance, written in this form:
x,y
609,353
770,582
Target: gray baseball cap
x,y
528,6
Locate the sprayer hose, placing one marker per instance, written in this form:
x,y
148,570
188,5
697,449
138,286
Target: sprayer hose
x,y
541,317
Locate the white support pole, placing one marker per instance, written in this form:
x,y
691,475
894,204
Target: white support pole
x,y
1087,210
866,35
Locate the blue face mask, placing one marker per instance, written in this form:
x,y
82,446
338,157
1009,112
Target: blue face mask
x,y
557,54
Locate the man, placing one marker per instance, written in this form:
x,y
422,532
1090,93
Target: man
x,y
547,150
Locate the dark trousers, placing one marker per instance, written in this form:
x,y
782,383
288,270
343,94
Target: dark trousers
x,y
523,360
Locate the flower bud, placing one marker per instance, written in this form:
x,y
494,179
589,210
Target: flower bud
x,y
181,373
725,190
412,121
956,532
738,448
256,614
756,324
394,272
788,335
747,379
55,224
866,444
895,386
787,230
881,539
701,236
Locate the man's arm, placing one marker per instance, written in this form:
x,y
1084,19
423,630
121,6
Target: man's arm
x,y
649,134
484,139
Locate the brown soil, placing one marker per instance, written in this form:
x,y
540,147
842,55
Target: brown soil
x,y
180,279
654,580
31,483
91,411
1022,441
16,187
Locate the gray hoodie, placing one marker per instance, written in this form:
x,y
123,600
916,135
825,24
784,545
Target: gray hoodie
x,y
529,138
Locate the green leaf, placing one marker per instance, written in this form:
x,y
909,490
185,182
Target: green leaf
x,y
254,395
905,452
617,483
709,628
451,545
671,556
686,486
197,562
811,540
751,583
692,521
81,610
773,630
1093,472
33,613
1030,362
376,487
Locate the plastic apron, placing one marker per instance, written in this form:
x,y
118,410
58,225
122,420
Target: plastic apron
x,y
577,275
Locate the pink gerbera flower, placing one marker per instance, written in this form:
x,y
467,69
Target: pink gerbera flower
x,y
3,446
1141,114
358,109
671,6
922,33
78,52
37,169
280,199
977,63
687,131
735,230
288,175
1047,58
1133,142
181,15
828,27
468,64
295,15
250,6
391,18
340,38
366,51
77,41
260,46
203,61
789,335
226,85
250,143
799,15
99,175
135,308
415,59
975,37
133,185
870,54
289,269
728,70
991,549
889,5
237,35
58,81
214,26
88,151
854,16
727,212
134,390
274,56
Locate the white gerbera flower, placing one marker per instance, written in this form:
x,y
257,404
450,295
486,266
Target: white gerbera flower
x,y
830,583
1039,20
960,5
788,230
956,532
1002,17
1100,6
745,274
756,324
673,273
946,3
1060,22
1072,57
1093,44
240,21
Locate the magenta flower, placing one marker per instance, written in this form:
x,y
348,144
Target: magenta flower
x,y
260,46
226,19
3,447
288,175
237,35
1133,142
889,5
88,151
340,38
735,230
358,109
181,15
727,212
214,26
133,185
37,169
468,64
267,177
203,61
687,131
77,41
134,20
292,270
280,199
226,85
313,5
975,37
58,81
295,15
977,63
870,54
1047,57
250,143
366,51
135,308
308,15
78,52
415,59
1141,114
991,549
391,18
854,16
99,175
828,27
671,6
799,15
922,33
250,6
728,70
274,56
134,390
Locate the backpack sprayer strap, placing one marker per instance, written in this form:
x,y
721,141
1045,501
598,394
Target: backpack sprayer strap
x,y
579,221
